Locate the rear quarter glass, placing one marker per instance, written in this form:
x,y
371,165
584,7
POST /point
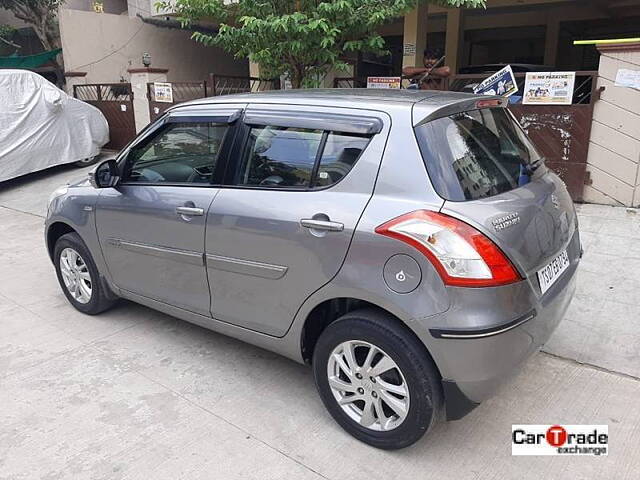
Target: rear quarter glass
x,y
476,154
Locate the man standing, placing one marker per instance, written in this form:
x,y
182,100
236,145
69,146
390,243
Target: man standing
x,y
435,79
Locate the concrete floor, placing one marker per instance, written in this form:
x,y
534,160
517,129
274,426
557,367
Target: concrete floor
x,y
134,393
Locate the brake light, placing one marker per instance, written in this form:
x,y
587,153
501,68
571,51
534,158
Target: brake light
x,y
462,255
494,102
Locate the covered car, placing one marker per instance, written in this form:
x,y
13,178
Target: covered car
x,y
41,126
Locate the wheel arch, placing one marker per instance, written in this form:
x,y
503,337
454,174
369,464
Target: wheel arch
x,y
329,310
54,232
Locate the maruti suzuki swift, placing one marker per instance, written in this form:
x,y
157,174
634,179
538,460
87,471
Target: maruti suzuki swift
x,y
411,246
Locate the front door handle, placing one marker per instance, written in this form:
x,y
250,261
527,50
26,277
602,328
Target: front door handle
x,y
322,225
190,211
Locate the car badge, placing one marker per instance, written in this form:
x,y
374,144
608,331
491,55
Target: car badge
x,y
506,221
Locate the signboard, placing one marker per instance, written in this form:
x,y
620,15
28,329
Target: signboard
x,y
628,78
383,82
501,83
549,88
162,92
409,49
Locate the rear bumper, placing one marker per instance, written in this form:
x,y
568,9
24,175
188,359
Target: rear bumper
x,y
487,334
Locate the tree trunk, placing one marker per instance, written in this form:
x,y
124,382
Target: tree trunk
x,y
45,25
297,76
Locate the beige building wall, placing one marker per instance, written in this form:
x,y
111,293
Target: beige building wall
x,y
106,46
613,162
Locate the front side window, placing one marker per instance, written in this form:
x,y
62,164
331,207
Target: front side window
x,y
180,152
476,154
279,157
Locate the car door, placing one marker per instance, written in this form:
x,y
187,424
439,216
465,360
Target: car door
x,y
151,226
279,229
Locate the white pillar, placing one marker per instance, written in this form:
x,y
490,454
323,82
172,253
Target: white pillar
x,y
74,78
140,77
415,36
454,39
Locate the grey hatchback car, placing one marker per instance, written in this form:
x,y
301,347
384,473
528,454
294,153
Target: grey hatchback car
x,y
411,246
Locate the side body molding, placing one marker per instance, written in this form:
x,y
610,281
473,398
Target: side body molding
x,y
246,267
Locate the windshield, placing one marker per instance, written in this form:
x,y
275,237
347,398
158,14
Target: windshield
x,y
476,154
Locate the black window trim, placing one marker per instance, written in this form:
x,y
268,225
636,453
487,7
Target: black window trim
x,y
344,123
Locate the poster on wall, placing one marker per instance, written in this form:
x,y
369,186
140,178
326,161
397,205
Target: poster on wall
x,y
383,82
502,83
628,78
162,92
549,88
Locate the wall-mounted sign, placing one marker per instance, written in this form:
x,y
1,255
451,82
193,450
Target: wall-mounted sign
x,y
628,78
383,82
501,83
162,92
409,49
549,88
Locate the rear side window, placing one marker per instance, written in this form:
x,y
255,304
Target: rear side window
x,y
299,158
475,154
279,157
339,156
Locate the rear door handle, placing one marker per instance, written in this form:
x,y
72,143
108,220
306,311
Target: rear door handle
x,y
190,211
322,225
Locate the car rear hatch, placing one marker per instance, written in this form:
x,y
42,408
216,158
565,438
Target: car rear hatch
x,y
491,176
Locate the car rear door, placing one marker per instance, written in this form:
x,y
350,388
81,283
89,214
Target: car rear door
x,y
492,177
280,227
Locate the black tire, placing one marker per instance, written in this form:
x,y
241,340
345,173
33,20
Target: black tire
x,y
100,299
420,375
86,162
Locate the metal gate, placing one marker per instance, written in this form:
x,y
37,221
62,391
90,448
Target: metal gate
x,y
115,101
182,92
230,84
560,132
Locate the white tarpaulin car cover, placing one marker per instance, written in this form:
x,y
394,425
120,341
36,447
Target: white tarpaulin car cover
x,y
41,126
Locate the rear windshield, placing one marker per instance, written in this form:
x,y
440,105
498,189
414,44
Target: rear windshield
x,y
476,154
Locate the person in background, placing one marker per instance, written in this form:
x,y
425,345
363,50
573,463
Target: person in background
x,y
434,81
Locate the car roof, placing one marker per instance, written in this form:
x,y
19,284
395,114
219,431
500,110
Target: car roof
x,y
430,103
355,97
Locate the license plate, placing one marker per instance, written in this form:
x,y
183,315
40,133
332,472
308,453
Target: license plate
x,y
548,275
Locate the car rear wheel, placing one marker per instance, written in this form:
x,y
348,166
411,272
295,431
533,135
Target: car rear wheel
x,y
78,276
85,162
377,380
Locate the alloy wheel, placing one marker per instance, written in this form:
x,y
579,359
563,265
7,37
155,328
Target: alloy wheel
x,y
368,385
75,275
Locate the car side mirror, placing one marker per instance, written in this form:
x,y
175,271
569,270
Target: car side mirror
x,y
105,175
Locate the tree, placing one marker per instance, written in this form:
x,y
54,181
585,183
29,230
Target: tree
x,y
42,15
303,39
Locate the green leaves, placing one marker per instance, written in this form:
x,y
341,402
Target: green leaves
x,y
303,39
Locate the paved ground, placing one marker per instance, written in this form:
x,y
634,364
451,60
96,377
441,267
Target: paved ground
x,y
136,394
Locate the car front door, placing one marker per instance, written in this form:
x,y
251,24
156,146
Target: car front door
x,y
280,227
152,225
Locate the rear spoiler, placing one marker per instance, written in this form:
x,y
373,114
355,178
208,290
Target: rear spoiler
x,y
426,111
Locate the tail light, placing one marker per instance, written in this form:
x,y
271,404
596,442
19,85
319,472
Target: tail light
x,y
462,255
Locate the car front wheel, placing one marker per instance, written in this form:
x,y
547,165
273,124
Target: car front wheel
x,y
377,380
78,276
